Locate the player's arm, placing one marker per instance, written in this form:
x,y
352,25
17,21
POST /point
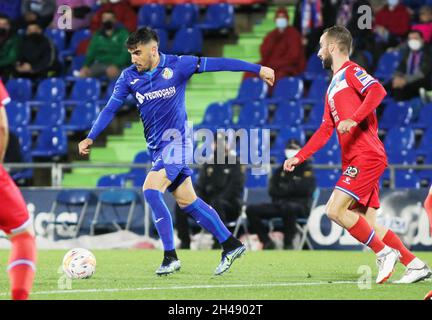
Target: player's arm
x,y
315,143
4,133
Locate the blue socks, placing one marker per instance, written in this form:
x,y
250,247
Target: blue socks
x,y
161,218
208,218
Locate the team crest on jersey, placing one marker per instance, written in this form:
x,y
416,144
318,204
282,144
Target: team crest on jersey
x,y
352,172
167,73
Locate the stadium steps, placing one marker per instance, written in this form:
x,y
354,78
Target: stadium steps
x,y
202,90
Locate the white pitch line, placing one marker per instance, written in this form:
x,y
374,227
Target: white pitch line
x,y
286,284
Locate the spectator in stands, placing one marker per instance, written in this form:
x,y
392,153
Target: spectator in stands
x,y
414,70
425,23
221,186
11,8
392,23
107,54
40,11
9,44
282,48
291,194
81,13
36,54
124,12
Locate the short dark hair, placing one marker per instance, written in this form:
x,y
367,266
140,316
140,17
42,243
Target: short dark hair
x,y
416,31
342,36
5,17
141,36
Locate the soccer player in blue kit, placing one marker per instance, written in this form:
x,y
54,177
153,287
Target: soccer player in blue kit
x,y
158,82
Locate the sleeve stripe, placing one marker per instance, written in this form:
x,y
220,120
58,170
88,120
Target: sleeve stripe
x,y
205,63
6,101
368,85
116,99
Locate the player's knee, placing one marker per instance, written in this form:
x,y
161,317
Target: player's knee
x,y
333,212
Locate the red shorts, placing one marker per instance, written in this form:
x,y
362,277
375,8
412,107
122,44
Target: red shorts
x,y
360,179
14,216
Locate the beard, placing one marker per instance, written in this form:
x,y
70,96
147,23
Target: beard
x,y
327,62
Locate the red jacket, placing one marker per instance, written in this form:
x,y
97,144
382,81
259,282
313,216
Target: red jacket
x,y
396,21
123,11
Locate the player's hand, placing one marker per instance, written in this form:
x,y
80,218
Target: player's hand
x,y
289,164
84,146
346,125
267,74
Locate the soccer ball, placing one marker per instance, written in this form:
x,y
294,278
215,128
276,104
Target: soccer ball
x,y
79,263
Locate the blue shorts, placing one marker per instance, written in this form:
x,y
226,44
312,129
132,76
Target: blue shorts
x,y
176,167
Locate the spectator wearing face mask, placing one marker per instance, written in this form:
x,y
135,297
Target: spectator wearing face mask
x,y
291,194
81,13
36,54
425,23
39,11
282,48
414,70
107,54
9,44
124,12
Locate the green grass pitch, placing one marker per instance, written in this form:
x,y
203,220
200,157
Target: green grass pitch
x,y
129,274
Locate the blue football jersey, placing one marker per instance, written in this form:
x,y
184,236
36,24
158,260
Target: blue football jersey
x,y
160,97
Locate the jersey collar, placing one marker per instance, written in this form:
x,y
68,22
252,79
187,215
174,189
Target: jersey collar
x,y
343,66
160,65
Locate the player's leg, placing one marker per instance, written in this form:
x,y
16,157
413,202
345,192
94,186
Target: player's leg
x,y
155,185
358,227
428,207
208,218
416,270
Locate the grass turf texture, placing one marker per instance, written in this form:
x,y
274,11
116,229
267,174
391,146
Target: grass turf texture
x,y
129,274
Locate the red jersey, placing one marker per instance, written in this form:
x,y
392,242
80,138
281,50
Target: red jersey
x,y
4,95
352,94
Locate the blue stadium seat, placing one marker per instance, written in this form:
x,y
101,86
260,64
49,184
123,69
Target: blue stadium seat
x,y
327,178
401,157
51,142
51,90
317,91
406,179
314,68
82,117
217,115
315,117
184,15
49,114
286,134
425,146
86,89
58,37
387,64
18,114
288,88
288,113
163,39
218,17
111,180
424,120
188,41
327,156
25,139
138,175
398,139
395,115
76,65
77,37
19,89
252,114
251,89
255,181
152,15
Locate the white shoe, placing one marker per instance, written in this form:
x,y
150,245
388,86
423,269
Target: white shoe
x,y
386,261
416,271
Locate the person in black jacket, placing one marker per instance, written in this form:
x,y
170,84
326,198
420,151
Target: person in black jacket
x,y
221,186
36,55
291,194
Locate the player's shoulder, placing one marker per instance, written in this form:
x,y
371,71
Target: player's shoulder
x,y
128,73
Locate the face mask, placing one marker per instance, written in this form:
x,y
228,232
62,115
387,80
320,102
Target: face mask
x,y
392,3
4,32
289,153
108,25
415,44
281,23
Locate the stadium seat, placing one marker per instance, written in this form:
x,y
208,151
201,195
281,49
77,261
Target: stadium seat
x,y
152,15
86,89
19,89
77,37
51,142
58,37
288,88
406,179
398,139
218,17
51,90
82,117
395,115
425,146
18,114
76,65
288,113
327,156
138,175
254,181
401,157
286,134
49,114
184,15
163,40
315,117
387,64
25,139
188,41
111,180
317,91
424,120
314,68
327,178
115,199
217,115
251,89
253,114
